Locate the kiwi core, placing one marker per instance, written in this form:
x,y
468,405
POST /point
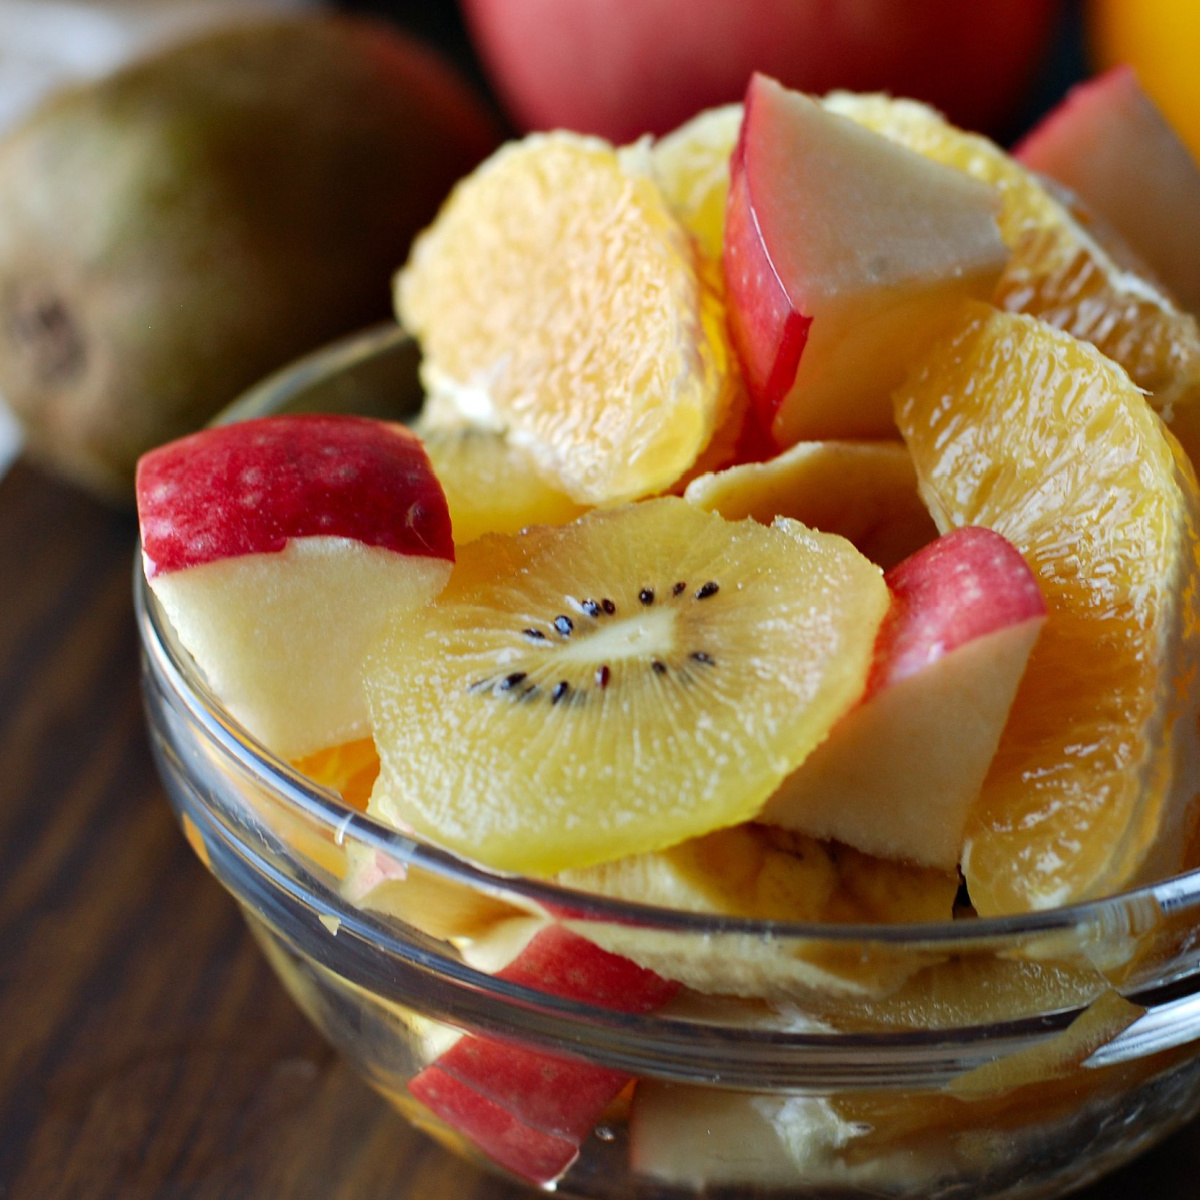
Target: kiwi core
x,y
644,635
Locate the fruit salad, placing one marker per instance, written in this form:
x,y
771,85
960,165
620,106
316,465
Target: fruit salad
x,y
800,527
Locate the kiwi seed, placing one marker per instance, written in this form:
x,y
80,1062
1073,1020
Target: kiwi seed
x,y
518,684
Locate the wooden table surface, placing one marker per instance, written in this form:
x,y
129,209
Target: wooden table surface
x,y
146,1051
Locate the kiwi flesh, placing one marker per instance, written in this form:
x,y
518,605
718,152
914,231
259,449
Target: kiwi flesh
x,y
614,686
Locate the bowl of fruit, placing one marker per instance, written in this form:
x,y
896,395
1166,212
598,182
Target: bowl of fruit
x,y
713,707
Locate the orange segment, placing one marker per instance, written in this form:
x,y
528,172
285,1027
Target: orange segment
x,y
349,769
754,871
557,296
1058,270
692,168
774,875
865,492
1021,428
491,484
736,439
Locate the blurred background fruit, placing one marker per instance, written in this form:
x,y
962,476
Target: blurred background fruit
x,y
620,68
1160,39
611,65
176,231
45,43
1103,142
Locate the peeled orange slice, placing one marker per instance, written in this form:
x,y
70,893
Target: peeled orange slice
x,y
349,769
772,875
1019,427
756,872
559,296
1058,270
491,483
618,685
692,168
863,491
736,872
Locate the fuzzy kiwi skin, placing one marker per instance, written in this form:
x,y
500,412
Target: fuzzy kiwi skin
x,y
173,233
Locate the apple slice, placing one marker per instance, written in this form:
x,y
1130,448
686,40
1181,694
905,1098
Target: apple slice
x,y
277,547
845,255
519,1148
1110,145
528,1110
899,773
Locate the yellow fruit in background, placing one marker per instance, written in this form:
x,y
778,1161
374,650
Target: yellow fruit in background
x,y
1018,427
1160,39
558,298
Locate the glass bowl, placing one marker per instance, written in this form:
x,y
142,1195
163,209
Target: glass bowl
x,y
1018,1057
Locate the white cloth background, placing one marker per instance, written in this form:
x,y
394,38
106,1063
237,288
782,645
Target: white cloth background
x,y
45,43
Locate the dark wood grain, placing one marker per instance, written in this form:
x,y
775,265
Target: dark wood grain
x,y
146,1051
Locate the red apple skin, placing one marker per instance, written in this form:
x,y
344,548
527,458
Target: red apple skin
x,y
526,1109
968,583
899,773
764,325
621,68
847,251
553,1095
564,964
1112,147
253,486
526,1152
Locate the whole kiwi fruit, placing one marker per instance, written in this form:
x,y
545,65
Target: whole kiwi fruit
x,y
172,233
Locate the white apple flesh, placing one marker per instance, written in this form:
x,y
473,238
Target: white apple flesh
x,y
277,548
1110,145
899,773
845,256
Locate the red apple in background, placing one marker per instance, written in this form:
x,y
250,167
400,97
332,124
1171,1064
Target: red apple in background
x,y
528,1110
898,774
1109,144
278,547
621,68
845,256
